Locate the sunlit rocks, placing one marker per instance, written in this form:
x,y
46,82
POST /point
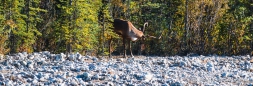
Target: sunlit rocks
x,y
45,68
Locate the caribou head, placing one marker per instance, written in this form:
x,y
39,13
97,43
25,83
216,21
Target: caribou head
x,y
129,33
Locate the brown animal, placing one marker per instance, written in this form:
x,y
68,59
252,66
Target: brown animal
x,y
129,33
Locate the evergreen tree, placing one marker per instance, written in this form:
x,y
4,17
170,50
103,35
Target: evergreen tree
x,y
76,26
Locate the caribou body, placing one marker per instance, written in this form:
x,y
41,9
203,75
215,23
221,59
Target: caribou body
x,y
129,33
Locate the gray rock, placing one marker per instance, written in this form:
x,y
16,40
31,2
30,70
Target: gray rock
x,y
165,84
85,76
73,83
30,64
148,77
115,77
21,56
176,84
47,53
72,57
69,74
210,67
224,74
59,57
79,56
130,60
92,67
95,77
7,62
16,64
31,57
139,76
110,84
35,81
2,77
23,63
94,59
248,65
182,64
45,68
120,59
8,83
244,75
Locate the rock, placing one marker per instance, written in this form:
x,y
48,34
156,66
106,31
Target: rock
x,y
148,77
8,83
72,57
85,76
119,59
92,67
165,84
59,57
44,68
196,63
41,62
6,62
130,60
110,84
244,75
248,66
16,64
39,75
88,57
235,75
182,64
69,74
250,84
101,78
22,56
47,53
210,66
2,77
176,84
115,77
78,56
24,63
224,75
73,83
31,57
144,76
35,81
94,59
30,64
95,77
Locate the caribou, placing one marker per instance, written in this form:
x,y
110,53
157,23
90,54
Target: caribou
x,y
129,33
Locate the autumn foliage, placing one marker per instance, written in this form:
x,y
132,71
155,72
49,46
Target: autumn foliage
x,y
222,27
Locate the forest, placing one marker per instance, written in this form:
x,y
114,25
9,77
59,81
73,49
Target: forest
x,y
206,27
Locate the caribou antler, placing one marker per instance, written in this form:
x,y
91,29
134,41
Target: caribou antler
x,y
155,37
144,26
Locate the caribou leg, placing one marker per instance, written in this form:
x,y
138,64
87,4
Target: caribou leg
x,y
130,48
124,46
110,48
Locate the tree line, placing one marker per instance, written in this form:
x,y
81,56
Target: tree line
x,y
221,27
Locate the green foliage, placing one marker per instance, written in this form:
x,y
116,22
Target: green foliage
x,y
223,27
76,25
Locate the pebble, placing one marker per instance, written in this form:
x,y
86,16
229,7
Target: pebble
x,y
45,68
2,77
92,67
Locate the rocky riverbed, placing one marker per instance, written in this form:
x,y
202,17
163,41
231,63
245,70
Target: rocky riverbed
x,y
44,68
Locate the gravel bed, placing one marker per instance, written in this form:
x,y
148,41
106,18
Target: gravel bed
x,y
44,68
